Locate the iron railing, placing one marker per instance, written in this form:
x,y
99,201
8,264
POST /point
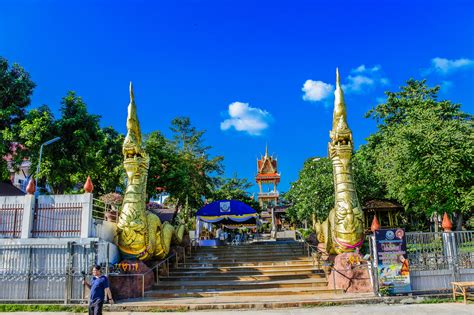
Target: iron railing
x,y
11,217
57,220
105,211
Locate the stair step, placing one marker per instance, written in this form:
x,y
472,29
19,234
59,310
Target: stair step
x,y
244,271
235,285
261,254
249,258
266,292
219,264
238,278
237,268
245,249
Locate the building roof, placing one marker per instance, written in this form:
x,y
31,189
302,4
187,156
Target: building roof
x,y
7,189
164,214
381,204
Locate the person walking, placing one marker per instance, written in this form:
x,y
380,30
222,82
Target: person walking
x,y
99,287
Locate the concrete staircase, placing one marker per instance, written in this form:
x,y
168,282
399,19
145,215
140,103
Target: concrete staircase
x,y
258,269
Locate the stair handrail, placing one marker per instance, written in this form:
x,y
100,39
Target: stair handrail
x,y
159,264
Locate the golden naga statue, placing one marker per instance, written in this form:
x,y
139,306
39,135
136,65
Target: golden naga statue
x,y
140,234
343,230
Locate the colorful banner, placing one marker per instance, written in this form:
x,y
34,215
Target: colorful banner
x,y
393,266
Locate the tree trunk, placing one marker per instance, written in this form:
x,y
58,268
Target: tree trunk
x,y
459,221
435,220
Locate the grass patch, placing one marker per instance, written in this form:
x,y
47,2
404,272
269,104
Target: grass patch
x,y
435,300
42,308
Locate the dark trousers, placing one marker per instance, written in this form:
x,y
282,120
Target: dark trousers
x,y
95,307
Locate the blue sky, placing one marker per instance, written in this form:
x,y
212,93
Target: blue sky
x,y
248,72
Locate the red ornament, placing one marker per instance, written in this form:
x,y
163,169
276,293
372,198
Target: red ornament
x,y
31,188
447,224
375,224
88,186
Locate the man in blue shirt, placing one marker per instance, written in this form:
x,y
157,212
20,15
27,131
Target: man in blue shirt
x,y
99,287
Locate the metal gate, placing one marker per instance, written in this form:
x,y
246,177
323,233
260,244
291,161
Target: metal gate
x,y
45,272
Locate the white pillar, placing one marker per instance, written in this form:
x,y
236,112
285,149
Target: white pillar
x,y
28,216
86,220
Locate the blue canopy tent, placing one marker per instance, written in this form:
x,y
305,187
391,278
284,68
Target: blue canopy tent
x,y
227,212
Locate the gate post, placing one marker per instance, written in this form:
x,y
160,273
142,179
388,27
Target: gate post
x,y
373,269
449,245
68,276
28,216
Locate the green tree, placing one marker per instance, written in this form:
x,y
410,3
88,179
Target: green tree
x,y
16,89
196,166
84,149
164,173
312,195
424,151
368,184
108,171
181,166
234,189
74,155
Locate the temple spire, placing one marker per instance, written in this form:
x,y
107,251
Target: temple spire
x,y
266,149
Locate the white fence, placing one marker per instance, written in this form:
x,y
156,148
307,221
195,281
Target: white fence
x,y
48,216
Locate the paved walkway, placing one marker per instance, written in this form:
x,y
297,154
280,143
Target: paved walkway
x,y
384,309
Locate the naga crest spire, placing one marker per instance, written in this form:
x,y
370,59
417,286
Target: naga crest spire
x,y
133,140
339,104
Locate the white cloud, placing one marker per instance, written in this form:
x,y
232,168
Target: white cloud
x,y
363,69
363,79
316,91
446,86
445,66
246,118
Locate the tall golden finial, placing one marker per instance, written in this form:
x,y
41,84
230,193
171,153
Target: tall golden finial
x,y
133,126
339,105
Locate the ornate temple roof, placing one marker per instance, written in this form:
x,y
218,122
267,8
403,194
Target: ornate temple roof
x,y
267,168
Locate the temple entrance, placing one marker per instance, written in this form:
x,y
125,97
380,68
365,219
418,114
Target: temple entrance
x,y
226,222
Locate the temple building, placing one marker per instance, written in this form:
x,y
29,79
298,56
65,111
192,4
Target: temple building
x,y
267,179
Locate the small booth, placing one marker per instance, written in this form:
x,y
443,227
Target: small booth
x,y
232,214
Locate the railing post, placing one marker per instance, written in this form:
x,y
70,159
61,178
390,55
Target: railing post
x,y
28,216
28,280
68,276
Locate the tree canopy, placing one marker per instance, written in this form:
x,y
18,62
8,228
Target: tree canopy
x,y
424,150
84,149
16,88
312,195
234,188
182,165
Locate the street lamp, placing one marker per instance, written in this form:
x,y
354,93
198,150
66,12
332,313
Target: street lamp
x,y
39,161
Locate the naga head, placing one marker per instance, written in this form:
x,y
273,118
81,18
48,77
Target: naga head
x,y
340,133
135,158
